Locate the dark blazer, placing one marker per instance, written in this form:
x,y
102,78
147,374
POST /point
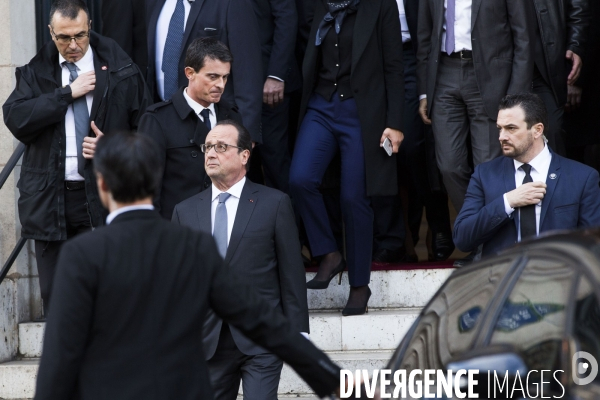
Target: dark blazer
x,y
129,304
263,250
502,56
377,81
572,200
179,133
233,23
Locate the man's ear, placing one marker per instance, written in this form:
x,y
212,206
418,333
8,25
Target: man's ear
x,y
538,130
102,186
189,72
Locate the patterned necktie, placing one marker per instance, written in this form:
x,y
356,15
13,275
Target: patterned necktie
x,y
82,119
206,116
220,229
527,216
450,18
172,52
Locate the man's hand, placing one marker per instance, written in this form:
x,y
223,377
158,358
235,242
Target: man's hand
x,y
84,84
423,111
526,194
273,92
573,98
89,143
576,69
396,137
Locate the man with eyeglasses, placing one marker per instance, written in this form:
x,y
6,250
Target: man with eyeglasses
x,y
75,88
255,232
180,125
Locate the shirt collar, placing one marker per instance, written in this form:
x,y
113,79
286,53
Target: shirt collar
x,y
539,162
197,107
125,209
235,190
86,63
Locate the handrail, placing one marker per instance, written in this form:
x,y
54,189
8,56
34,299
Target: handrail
x,y
6,171
12,162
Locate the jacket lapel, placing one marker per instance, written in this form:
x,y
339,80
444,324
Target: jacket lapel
x,y
248,200
551,182
203,211
366,17
101,70
474,11
509,185
191,21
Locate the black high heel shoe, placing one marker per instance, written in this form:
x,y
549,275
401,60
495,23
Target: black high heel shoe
x,y
360,310
317,284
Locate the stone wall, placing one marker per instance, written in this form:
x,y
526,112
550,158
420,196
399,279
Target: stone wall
x,y
19,294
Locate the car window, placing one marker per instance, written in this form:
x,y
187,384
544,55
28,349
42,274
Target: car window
x,y
533,318
448,325
586,326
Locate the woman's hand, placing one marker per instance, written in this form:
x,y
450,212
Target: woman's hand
x,y
396,137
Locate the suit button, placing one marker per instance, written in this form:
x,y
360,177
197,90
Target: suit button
x,y
194,154
191,141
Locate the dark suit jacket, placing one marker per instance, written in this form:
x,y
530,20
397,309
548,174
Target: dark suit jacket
x,y
502,56
263,250
129,303
572,200
234,24
377,81
179,133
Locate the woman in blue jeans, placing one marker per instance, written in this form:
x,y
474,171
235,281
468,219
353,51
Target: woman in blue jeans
x,y
352,101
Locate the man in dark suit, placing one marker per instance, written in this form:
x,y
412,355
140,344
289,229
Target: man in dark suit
x,y
131,298
528,191
255,232
180,125
173,24
471,54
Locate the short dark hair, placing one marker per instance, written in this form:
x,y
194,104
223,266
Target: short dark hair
x,y
127,162
532,105
68,8
244,141
205,47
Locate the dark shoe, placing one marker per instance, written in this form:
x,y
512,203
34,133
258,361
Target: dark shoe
x,y
318,284
442,246
389,256
462,262
357,301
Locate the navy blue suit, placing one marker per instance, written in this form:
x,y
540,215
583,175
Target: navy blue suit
x,y
572,200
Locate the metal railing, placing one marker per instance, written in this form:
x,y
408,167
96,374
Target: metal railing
x,y
6,171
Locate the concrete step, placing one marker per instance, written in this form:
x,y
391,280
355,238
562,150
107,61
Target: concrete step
x,y
330,331
17,378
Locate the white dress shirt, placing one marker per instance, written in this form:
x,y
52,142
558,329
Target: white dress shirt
x,y
85,64
198,108
462,26
162,29
125,209
231,205
403,22
539,172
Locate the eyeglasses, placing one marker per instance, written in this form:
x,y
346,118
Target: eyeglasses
x,y
219,147
64,39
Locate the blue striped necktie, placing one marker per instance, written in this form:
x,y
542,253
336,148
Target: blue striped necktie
x,y
172,52
82,119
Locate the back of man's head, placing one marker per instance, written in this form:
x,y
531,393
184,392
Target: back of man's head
x,y
532,105
127,163
202,48
68,8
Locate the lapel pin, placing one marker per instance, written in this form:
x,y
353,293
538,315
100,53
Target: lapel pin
x,y
104,68
552,176
251,201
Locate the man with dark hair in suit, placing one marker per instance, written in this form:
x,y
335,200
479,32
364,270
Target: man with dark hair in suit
x,y
181,124
529,190
255,232
131,298
77,84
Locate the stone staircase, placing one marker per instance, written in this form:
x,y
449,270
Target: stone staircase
x,y
359,342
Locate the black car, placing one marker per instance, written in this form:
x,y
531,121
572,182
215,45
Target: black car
x,y
532,308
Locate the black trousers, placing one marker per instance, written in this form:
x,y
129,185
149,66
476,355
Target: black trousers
x,y
46,252
553,131
259,374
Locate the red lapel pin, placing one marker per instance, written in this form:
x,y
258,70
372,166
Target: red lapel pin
x,y
251,201
104,68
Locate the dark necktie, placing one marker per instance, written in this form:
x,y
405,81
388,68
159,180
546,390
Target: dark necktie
x,y
82,119
206,116
527,217
450,19
172,52
220,229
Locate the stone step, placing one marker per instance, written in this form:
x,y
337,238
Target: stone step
x,y
17,378
377,330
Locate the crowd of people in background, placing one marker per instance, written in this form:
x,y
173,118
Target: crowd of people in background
x,y
358,116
